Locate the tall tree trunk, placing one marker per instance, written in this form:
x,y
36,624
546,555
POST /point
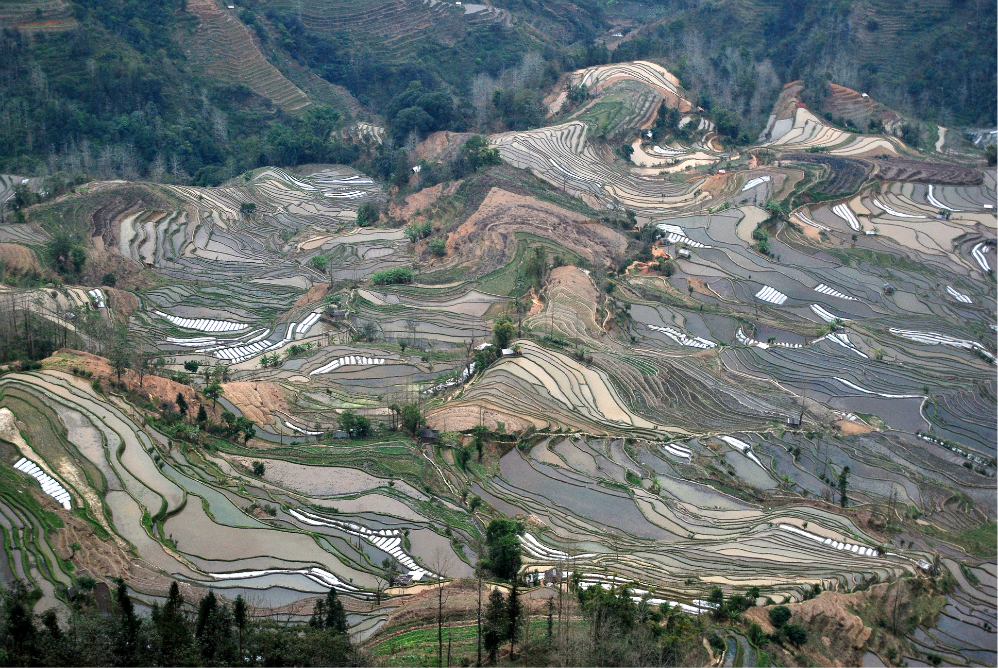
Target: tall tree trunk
x,y
440,621
479,618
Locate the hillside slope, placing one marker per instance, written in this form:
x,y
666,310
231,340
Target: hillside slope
x,y
233,56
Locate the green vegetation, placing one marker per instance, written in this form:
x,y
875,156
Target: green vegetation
x,y
176,633
394,276
979,541
367,214
503,543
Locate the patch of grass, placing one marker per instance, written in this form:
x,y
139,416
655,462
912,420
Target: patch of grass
x,y
419,647
981,541
510,279
877,259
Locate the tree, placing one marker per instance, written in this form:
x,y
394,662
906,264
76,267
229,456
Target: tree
x,y
182,404
384,577
202,414
502,333
779,616
173,628
247,426
480,572
127,647
796,634
843,485
479,439
496,624
438,246
239,615
120,355
367,214
513,611
191,366
258,469
501,538
358,426
247,207
667,267
109,279
412,418
336,616
213,630
461,457
20,626
320,263
717,599
756,634
213,391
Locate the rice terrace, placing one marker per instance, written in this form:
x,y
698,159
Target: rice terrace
x,y
420,332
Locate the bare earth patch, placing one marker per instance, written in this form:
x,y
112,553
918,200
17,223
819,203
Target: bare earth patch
x,y
420,200
850,427
257,400
154,388
839,633
17,259
486,238
440,145
314,294
464,417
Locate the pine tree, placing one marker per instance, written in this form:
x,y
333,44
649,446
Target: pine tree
x,y
336,616
513,610
496,624
126,650
173,628
239,612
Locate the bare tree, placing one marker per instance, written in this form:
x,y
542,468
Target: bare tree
x,y
412,326
384,577
441,563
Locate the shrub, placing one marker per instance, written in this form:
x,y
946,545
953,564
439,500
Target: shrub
x,y
779,616
796,634
320,263
109,280
358,426
259,469
438,247
393,276
418,231
502,333
367,214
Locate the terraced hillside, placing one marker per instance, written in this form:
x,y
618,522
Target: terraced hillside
x,y
35,16
705,374
233,55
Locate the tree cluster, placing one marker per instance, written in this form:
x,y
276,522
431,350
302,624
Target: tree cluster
x,y
176,633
